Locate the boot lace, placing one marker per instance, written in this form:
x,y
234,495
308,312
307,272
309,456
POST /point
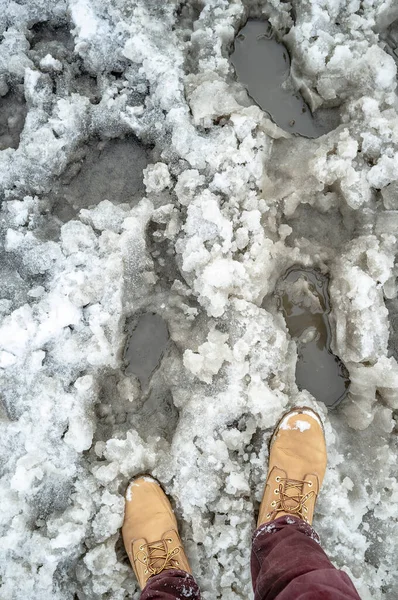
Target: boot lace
x,y
299,499
157,556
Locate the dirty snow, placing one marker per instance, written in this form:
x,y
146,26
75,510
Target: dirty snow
x,y
136,175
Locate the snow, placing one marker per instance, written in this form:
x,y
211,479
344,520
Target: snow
x,y
302,425
220,203
299,424
130,491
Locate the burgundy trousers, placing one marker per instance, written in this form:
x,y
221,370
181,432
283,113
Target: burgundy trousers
x,y
287,563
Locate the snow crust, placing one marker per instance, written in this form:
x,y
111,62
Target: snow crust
x,y
230,202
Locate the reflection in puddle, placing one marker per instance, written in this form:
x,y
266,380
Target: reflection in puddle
x,y
263,65
146,346
304,299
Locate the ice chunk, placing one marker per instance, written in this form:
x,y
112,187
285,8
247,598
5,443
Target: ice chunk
x,y
210,356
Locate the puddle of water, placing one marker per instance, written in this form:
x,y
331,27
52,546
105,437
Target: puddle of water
x,y
12,118
304,300
392,306
48,32
263,65
146,346
390,37
158,415
111,170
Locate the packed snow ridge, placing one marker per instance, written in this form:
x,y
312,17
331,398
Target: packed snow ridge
x,y
218,203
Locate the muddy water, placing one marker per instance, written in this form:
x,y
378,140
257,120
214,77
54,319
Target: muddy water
x,y
304,300
263,66
146,346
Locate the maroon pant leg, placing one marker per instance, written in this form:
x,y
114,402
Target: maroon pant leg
x,y
288,563
171,585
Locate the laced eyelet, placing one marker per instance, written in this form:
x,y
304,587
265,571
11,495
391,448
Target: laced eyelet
x,y
177,563
306,509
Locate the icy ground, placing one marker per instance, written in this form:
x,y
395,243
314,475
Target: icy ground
x,y
137,176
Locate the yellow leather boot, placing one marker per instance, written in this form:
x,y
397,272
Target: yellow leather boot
x,y
297,466
150,531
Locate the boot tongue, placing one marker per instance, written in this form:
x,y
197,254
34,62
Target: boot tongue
x,y
157,563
